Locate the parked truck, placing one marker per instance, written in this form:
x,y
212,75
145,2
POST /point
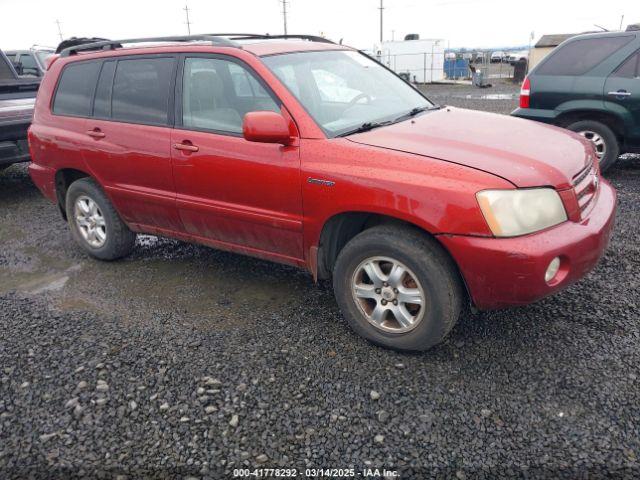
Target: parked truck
x,y
17,99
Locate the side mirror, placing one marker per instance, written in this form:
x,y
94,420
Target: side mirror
x,y
266,127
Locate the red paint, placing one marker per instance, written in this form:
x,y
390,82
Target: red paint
x,y
255,198
510,271
266,127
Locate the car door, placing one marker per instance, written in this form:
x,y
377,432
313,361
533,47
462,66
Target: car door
x,y
622,95
234,193
129,150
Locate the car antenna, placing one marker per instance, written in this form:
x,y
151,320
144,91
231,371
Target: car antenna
x,y
603,29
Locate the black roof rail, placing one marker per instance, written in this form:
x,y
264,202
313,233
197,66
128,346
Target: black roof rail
x,y
113,44
266,36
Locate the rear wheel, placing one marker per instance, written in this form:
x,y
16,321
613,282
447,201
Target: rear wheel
x,y
603,140
95,224
398,288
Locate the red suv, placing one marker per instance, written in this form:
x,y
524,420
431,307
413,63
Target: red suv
x,y
309,153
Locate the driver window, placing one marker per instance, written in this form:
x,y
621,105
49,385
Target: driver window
x,y
218,93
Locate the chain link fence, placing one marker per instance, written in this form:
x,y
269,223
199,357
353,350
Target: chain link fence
x,y
433,66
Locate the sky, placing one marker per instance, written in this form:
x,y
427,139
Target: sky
x,y
461,23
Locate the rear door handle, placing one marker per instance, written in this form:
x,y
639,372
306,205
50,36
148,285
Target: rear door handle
x,y
96,133
186,147
620,93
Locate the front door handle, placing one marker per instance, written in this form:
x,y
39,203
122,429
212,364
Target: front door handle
x,y
96,133
186,147
620,93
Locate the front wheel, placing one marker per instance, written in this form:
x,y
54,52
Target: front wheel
x,y
603,139
398,288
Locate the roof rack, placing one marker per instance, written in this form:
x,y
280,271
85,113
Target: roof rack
x,y
266,36
113,44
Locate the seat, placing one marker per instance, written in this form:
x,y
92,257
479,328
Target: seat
x,y
205,105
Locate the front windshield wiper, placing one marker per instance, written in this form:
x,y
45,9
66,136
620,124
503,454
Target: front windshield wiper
x,y
365,127
415,111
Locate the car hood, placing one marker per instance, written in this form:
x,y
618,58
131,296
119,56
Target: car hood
x,y
523,152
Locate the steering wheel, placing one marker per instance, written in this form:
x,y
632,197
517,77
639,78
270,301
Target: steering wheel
x,y
358,97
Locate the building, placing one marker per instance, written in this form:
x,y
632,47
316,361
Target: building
x,y
545,45
421,61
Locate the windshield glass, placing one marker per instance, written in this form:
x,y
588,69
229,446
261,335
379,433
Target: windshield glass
x,y
42,57
343,90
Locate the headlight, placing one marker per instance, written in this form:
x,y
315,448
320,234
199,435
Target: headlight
x,y
510,213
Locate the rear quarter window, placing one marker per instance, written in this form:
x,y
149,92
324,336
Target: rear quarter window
x,y
580,56
75,89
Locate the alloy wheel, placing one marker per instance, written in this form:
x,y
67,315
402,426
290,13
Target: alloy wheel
x,y
389,294
90,221
598,142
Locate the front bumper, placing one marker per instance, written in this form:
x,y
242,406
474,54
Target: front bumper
x,y
504,272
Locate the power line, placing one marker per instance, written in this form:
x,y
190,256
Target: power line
x,y
381,8
59,29
186,10
284,15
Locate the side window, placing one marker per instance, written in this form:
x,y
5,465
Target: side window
x,y
102,101
245,84
630,68
75,89
580,56
216,94
29,66
287,75
141,90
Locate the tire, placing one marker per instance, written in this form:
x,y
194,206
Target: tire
x,y
611,146
116,241
435,274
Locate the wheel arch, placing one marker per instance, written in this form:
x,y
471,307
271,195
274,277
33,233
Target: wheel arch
x,y
342,227
64,177
608,118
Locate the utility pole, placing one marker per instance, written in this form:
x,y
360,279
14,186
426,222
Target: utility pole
x,y
381,8
59,29
621,21
186,11
284,14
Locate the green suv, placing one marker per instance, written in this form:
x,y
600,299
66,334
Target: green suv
x,y
590,84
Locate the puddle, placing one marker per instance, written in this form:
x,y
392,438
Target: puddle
x,y
36,283
490,96
209,288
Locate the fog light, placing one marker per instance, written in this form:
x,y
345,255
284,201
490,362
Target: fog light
x,y
552,270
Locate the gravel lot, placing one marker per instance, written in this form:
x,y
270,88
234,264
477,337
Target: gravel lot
x,y
181,361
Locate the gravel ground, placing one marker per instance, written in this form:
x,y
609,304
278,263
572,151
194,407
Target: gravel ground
x,y
181,361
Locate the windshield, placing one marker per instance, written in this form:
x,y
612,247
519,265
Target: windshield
x,y
344,90
42,56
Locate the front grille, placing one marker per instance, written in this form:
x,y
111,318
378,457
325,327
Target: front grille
x,y
585,185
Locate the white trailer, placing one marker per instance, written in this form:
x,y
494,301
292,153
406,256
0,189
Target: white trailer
x,y
421,60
